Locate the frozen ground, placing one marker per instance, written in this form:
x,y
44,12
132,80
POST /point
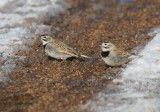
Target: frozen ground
x,y
20,21
137,87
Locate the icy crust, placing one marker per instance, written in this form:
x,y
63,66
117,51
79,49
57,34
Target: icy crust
x,y
14,28
138,87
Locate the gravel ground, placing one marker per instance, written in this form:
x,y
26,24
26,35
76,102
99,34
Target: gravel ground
x,y
44,85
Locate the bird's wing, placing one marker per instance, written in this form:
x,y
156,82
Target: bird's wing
x,y
61,47
122,53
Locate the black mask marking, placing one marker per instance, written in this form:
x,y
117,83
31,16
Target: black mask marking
x,y
105,53
44,39
44,46
106,47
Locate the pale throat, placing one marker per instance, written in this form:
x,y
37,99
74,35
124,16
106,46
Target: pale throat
x,y
44,42
104,49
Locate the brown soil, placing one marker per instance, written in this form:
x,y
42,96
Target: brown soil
x,y
43,85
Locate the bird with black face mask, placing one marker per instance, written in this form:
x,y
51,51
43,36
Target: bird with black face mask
x,y
113,56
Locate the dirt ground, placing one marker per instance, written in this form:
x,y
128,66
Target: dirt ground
x,y
43,85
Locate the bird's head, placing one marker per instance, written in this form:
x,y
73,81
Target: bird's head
x,y
107,46
45,39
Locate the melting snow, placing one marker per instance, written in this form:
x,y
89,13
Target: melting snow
x,y
138,87
14,27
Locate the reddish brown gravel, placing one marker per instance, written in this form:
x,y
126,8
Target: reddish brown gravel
x,y
43,85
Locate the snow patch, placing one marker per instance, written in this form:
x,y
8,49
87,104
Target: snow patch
x,y
21,21
137,87
4,2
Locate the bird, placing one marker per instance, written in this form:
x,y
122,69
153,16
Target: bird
x,y
113,56
59,50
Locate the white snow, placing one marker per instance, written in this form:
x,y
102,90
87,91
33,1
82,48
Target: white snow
x,y
4,2
19,19
137,89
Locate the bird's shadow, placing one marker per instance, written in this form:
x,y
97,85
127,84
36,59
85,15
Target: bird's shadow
x,y
59,60
88,60
53,59
71,59
85,60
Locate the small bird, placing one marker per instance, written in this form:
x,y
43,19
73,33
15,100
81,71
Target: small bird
x,y
113,56
59,50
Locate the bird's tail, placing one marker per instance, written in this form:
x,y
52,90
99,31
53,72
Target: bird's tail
x,y
84,56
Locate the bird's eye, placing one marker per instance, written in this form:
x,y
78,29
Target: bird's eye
x,y
44,36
